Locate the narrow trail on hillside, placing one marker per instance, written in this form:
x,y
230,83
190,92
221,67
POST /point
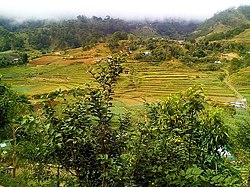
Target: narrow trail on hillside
x,y
238,96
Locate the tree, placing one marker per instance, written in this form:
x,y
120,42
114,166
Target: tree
x,y
121,35
12,106
113,43
5,61
82,138
8,60
181,134
24,58
12,109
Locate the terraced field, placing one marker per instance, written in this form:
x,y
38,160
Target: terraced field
x,y
151,83
241,81
64,70
141,81
33,80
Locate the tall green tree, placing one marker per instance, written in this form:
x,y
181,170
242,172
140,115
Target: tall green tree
x,y
12,107
179,140
82,138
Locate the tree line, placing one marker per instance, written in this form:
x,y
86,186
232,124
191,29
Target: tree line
x,y
59,35
13,59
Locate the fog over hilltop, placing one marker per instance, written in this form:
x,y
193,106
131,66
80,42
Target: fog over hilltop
x,y
139,9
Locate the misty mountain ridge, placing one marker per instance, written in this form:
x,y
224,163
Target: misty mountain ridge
x,y
82,31
166,26
230,23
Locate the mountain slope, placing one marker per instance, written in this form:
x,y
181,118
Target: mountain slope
x,y
230,23
82,31
243,36
9,40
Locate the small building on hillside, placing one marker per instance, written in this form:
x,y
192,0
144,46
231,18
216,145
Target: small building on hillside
x,y
238,104
217,62
147,53
243,100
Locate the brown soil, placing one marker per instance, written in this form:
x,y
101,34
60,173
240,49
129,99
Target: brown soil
x,y
79,60
45,60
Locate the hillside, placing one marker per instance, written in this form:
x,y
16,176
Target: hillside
x,y
49,35
108,102
157,63
241,80
225,24
167,68
243,36
9,40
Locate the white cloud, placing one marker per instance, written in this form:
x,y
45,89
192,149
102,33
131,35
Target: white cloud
x,y
125,9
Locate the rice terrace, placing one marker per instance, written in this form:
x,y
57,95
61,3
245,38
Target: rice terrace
x,y
156,98
143,81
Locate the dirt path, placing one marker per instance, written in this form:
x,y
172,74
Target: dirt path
x,y
239,97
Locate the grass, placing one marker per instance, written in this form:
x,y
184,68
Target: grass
x,y
241,80
149,83
156,82
243,36
145,82
45,78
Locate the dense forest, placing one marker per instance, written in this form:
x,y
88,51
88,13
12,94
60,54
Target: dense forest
x,y
55,35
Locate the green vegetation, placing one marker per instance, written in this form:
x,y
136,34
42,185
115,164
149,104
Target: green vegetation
x,y
12,59
47,35
107,105
154,68
78,141
11,106
9,40
228,34
225,24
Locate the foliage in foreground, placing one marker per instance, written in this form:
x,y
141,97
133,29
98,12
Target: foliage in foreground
x,y
177,144
12,107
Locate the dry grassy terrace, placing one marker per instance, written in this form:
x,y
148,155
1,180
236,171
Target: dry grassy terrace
x,y
143,81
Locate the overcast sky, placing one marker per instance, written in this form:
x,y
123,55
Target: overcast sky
x,y
132,9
